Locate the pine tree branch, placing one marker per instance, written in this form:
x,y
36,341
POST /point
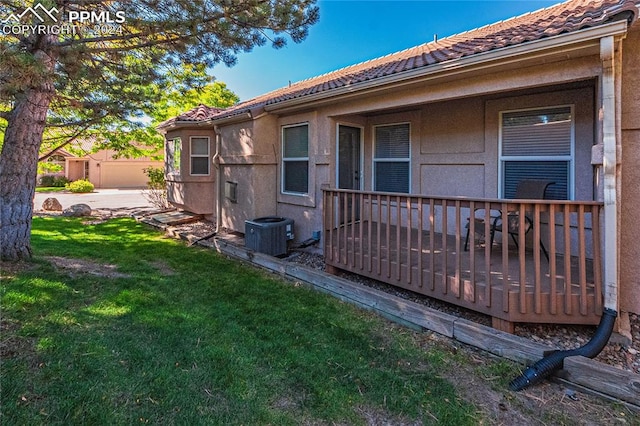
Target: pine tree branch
x,y
73,138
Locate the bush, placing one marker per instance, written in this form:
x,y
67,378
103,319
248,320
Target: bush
x,y
156,192
80,186
60,181
47,180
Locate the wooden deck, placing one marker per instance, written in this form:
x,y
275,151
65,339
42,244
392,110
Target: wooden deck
x,y
418,243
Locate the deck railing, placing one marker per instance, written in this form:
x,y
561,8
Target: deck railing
x,y
549,274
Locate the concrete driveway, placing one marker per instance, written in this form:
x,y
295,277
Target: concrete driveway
x,y
99,199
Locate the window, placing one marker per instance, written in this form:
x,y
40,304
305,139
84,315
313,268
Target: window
x,y
295,159
200,156
174,147
391,158
537,144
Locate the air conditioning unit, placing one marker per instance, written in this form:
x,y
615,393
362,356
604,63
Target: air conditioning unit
x,y
268,235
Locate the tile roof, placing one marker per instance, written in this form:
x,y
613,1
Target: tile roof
x,y
199,113
567,17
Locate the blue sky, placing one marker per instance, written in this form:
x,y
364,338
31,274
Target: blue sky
x,y
353,31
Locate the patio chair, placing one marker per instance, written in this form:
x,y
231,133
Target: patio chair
x,y
527,189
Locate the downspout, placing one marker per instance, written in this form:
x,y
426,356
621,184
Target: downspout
x,y
554,361
216,163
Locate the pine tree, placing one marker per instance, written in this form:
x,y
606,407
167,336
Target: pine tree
x,y
94,75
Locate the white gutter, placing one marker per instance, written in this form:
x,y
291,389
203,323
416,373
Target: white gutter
x,y
563,43
609,168
216,163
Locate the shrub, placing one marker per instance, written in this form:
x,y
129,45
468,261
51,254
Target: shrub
x,y
60,181
79,186
156,192
47,180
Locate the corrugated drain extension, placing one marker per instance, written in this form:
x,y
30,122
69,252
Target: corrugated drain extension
x,y
554,361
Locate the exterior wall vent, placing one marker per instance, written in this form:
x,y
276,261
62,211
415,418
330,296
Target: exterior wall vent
x,y
268,235
231,191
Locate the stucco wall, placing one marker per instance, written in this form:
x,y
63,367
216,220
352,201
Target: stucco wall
x,y
454,144
305,209
453,156
630,170
454,139
193,193
454,147
248,158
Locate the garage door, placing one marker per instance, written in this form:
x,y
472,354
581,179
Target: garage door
x,y
127,175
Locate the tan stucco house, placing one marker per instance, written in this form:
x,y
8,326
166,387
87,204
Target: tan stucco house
x,y
389,159
103,168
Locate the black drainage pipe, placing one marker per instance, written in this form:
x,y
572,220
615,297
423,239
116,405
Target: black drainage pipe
x,y
554,361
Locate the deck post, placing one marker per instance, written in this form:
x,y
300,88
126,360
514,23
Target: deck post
x,y
332,270
503,325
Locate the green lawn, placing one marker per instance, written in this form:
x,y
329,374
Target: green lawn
x,y
46,189
160,333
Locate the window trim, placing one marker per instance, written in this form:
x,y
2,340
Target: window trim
x,y
287,159
192,156
375,160
571,158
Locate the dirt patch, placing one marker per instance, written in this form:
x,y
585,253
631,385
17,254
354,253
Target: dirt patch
x,y
163,268
11,269
75,267
544,404
11,344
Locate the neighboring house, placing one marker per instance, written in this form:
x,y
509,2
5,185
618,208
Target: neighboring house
x,y
389,158
102,168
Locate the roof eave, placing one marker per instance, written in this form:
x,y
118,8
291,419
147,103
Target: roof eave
x,y
538,48
237,118
165,128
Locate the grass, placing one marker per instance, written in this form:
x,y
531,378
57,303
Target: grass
x,y
46,189
184,336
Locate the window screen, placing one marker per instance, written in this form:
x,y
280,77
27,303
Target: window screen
x,y
391,162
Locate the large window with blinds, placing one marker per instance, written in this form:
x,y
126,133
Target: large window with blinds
x,y
392,158
295,159
537,144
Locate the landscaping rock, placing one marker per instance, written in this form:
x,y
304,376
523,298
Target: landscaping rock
x,y
77,210
52,204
